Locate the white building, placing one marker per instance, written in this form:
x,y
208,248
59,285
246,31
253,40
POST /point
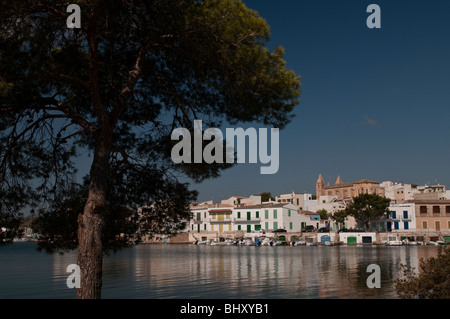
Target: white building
x,y
242,201
268,217
402,217
302,201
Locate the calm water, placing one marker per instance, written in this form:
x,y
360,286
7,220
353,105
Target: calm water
x,y
213,272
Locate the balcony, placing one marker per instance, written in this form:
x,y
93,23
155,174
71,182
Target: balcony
x,y
245,220
220,220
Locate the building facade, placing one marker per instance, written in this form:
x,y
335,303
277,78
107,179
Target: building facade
x,y
347,190
432,215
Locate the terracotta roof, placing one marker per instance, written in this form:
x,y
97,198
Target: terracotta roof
x,y
264,205
363,181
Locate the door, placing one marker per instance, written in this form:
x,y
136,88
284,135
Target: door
x,y
221,228
437,225
351,240
249,228
324,238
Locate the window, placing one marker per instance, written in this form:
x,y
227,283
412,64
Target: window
x,y
239,227
257,214
267,225
298,202
249,215
394,214
447,210
395,225
289,213
199,218
437,225
275,214
448,224
423,209
425,224
290,225
249,228
436,209
405,214
239,215
406,225
275,225
266,212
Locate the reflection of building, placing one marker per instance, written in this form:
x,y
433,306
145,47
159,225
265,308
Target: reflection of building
x,y
347,190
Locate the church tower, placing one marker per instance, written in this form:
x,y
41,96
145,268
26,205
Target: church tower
x,y
319,186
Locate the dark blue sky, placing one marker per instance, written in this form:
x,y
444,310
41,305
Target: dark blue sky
x,y
375,102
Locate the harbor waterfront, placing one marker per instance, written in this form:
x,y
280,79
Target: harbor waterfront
x,y
177,271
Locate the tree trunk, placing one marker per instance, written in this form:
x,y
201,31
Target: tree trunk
x,y
91,225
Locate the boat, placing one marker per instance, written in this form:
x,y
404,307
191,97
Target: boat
x,y
312,244
437,243
393,241
201,242
329,243
299,242
410,242
230,242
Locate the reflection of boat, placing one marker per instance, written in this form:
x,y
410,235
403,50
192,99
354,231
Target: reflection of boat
x,y
393,241
410,242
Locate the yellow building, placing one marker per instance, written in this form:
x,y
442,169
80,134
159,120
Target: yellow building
x,y
220,219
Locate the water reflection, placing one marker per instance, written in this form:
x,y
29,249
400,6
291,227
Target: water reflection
x,y
190,271
259,272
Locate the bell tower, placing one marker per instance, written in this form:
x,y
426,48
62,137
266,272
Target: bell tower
x,y
319,186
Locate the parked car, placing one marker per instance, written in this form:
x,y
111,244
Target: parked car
x,y
280,231
324,230
308,229
343,230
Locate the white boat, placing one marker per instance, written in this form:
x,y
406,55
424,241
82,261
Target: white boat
x,y
329,243
218,243
393,241
201,242
410,242
299,243
436,243
312,243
